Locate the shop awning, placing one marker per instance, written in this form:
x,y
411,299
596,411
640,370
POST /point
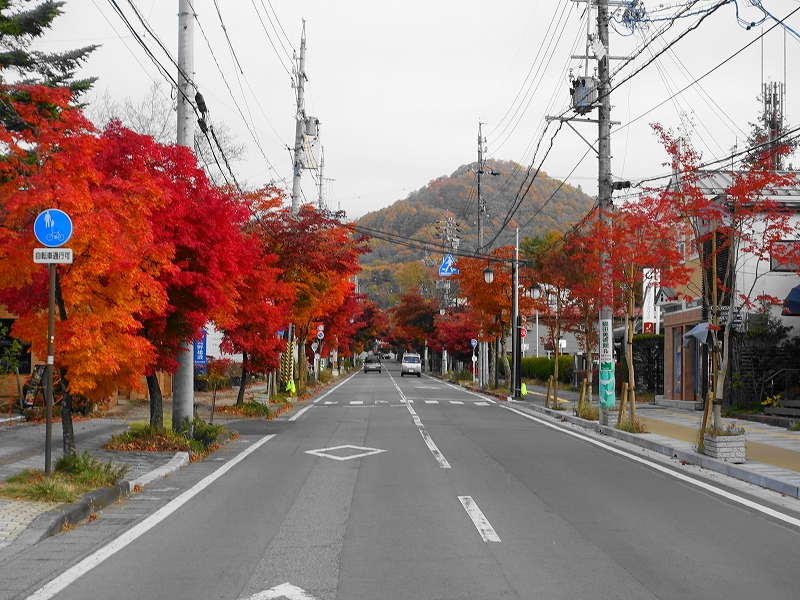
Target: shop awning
x,y
699,332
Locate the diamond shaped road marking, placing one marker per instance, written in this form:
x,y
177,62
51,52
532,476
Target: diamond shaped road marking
x,y
327,452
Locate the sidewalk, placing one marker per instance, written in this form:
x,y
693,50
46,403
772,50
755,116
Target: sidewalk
x,y
773,453
22,522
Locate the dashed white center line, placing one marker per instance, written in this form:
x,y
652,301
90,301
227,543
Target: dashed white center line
x,y
481,522
437,454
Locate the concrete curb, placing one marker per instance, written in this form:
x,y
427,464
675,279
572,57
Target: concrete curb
x,y
664,445
180,459
52,522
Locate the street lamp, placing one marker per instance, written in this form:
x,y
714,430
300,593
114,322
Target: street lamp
x,y
488,275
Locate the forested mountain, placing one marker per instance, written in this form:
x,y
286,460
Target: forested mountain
x,y
392,267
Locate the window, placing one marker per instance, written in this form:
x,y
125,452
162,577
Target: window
x,y
782,255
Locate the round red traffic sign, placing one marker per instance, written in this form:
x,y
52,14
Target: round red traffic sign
x,y
523,332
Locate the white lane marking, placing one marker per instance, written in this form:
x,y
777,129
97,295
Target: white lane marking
x,y
90,562
317,400
481,404
437,454
481,522
285,590
431,402
334,388
470,392
456,402
331,402
666,470
356,402
297,415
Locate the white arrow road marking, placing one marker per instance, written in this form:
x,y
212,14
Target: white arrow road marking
x,y
285,590
90,562
481,522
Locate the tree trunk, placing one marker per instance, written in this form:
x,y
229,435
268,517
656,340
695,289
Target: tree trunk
x,y
629,354
66,397
66,417
242,386
243,382
506,364
302,363
156,402
492,361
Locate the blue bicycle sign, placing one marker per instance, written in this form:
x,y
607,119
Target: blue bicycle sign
x,y
52,227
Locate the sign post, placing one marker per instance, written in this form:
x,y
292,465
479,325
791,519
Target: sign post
x,y
473,342
52,228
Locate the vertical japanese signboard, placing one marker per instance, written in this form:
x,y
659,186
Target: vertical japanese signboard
x,y
200,347
607,393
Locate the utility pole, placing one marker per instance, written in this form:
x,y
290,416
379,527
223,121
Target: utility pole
x,y
321,195
604,190
300,124
183,380
481,203
516,375
483,347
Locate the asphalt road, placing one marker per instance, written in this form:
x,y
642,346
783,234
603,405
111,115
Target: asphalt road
x,y
406,488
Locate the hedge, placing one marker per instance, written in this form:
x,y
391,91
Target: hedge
x,y
541,368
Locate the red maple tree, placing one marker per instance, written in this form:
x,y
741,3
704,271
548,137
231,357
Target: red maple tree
x,y
318,257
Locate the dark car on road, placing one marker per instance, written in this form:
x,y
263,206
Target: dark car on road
x,y
372,363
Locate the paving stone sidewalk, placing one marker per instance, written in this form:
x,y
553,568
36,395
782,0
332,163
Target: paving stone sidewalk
x,y
773,452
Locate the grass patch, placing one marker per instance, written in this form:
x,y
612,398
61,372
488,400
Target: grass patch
x,y
198,438
72,477
589,413
632,426
247,409
726,429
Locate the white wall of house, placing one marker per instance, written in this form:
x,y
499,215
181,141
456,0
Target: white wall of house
x,y
755,278
213,341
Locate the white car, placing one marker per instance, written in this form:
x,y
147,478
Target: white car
x,y
411,365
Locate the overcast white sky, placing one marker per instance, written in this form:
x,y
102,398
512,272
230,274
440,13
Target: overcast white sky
x,y
400,87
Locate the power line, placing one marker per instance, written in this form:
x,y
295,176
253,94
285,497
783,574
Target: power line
x,y
227,84
164,71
